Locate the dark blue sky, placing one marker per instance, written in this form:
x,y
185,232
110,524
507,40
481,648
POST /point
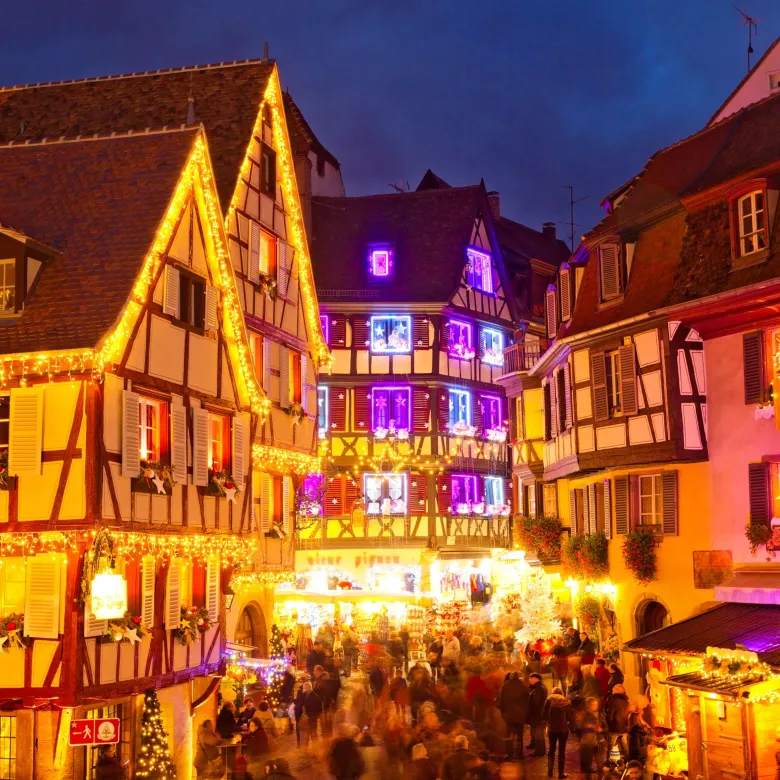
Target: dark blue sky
x,y
529,95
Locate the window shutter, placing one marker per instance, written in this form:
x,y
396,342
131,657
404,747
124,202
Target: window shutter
x,y
607,511
93,626
758,487
509,493
178,442
254,253
212,588
337,412
148,575
361,332
282,268
334,503
338,330
266,365
173,595
621,505
444,410
418,493
445,335
362,405
284,377
304,383
482,343
573,510
586,509
551,384
669,503
131,453
593,513
265,503
444,493
211,320
421,409
476,413
171,291
350,494
628,395
42,596
547,412
239,458
286,493
598,373
551,311
567,396
421,333
608,267
565,285
26,430
753,361
200,447
561,397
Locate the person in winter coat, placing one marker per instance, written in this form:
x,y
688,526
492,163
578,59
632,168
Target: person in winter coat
x,y
316,657
457,765
435,649
349,645
593,728
590,685
422,767
420,691
513,706
227,725
209,759
616,712
256,747
345,761
309,704
109,766
450,647
265,718
601,673
573,643
399,694
637,735
615,677
559,665
587,649
537,696
395,648
557,714
478,697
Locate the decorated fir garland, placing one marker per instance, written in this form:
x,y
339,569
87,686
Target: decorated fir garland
x,y
268,286
12,631
541,535
128,628
735,663
158,474
585,557
639,556
295,410
194,621
222,483
758,535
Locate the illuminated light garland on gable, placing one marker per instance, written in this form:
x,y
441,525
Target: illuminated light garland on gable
x,y
285,461
252,579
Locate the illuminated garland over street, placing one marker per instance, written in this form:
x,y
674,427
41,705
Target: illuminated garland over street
x,y
285,461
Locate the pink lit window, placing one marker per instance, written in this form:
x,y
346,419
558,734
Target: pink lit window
x,y
390,407
461,340
480,270
491,412
464,493
381,260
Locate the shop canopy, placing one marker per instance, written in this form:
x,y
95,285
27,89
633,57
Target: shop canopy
x,y
753,627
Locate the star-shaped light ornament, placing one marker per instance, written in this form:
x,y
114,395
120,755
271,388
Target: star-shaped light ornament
x,y
185,624
159,484
3,640
230,494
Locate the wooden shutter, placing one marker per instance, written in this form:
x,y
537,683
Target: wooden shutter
x,y
337,411
551,311
564,282
282,268
211,318
362,405
621,505
286,508
212,588
669,503
509,493
171,292
178,442
304,383
148,577
266,365
350,494
93,626
607,510
593,508
254,253
753,362
547,412
561,397
573,510
421,409
445,335
586,509
173,595
567,396
444,410
285,395
265,503
200,447
338,330
758,487
131,453
26,430
418,494
477,413
334,500
239,458
609,271
628,395
444,493
361,332
554,419
421,332
598,374
42,596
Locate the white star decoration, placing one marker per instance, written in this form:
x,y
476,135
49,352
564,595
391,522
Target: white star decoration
x,y
414,484
334,501
3,640
159,484
132,635
230,494
341,396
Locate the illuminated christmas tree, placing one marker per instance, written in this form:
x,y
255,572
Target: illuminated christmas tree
x,y
273,677
539,611
155,759
276,645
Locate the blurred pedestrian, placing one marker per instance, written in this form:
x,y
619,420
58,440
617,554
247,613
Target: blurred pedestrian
x,y
422,767
592,734
557,714
537,696
601,673
616,712
615,677
513,706
587,649
345,761
457,765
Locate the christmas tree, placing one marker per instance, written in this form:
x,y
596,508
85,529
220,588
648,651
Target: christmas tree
x,y
276,645
155,759
273,677
538,611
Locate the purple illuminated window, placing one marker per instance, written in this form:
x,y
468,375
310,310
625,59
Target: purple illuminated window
x,y
391,410
480,270
464,493
325,323
311,495
380,261
491,412
461,340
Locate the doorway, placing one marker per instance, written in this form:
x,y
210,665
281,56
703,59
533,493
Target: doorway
x,y
251,629
651,616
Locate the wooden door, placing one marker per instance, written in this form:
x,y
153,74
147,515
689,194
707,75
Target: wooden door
x,y
694,734
724,742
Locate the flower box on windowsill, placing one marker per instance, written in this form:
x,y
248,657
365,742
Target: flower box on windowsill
x,y
461,352
463,431
493,357
155,478
496,435
390,434
764,411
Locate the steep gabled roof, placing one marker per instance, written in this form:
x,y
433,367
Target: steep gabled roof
x,y
302,137
428,231
530,243
99,203
142,100
430,181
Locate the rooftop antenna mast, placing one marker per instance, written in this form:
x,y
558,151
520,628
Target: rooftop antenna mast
x,y
571,223
752,24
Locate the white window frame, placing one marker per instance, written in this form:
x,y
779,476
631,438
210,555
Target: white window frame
x,y
751,237
390,321
322,410
5,289
651,487
493,340
383,506
614,401
463,395
143,428
498,490
480,275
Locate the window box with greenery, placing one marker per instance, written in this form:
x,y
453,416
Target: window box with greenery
x,y
639,555
540,535
585,557
155,478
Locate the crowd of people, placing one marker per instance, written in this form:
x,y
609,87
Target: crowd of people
x,y
474,709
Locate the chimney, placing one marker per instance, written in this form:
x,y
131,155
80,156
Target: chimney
x,y
495,204
548,230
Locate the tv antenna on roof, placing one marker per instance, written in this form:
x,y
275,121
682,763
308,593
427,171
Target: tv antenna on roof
x,y
571,223
752,24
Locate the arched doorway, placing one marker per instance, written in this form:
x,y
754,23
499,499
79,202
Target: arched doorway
x,y
651,615
251,629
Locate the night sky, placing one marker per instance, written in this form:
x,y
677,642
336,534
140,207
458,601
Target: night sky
x,y
529,96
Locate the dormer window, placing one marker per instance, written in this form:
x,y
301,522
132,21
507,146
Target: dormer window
x,y
7,286
611,277
751,223
480,270
380,262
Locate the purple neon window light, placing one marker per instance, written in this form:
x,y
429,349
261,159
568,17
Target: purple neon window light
x,y
464,493
491,412
461,340
391,410
380,262
480,270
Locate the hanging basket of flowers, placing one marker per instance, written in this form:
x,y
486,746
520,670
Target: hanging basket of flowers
x,y
586,557
639,556
12,631
540,535
194,622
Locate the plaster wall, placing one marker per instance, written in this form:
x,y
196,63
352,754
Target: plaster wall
x,y
755,88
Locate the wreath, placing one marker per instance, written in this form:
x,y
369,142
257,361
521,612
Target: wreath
x,y
268,286
639,556
12,631
194,621
128,628
296,412
223,484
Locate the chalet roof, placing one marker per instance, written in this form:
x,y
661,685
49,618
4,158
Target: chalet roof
x,y
428,230
302,137
226,96
99,203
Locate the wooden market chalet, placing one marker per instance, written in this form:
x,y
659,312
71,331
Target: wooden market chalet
x,y
420,293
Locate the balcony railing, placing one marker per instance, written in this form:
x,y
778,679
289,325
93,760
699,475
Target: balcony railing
x,y
521,356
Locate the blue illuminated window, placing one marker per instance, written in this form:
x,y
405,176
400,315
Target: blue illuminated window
x,y
480,270
494,495
391,334
322,409
460,407
492,344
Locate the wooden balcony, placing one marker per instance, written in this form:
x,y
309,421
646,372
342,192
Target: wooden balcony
x,y
521,356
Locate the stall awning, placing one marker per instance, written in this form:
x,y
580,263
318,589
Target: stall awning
x,y
754,627
751,587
